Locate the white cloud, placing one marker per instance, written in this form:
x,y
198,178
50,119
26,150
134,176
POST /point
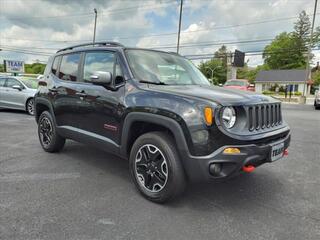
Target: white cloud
x,y
202,22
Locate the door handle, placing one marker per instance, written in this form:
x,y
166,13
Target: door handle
x,y
53,90
81,94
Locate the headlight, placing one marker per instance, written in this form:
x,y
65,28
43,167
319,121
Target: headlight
x,y
229,117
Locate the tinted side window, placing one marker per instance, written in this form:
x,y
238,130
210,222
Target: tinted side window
x,y
55,65
2,81
98,61
12,82
69,67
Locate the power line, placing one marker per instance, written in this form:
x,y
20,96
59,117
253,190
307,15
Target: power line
x,y
207,43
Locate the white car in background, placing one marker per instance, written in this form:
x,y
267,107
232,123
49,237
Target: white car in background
x,y
17,93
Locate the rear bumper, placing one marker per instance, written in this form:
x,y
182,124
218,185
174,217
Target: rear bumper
x,y
197,167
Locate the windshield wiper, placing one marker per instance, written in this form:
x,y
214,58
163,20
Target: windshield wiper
x,y
151,82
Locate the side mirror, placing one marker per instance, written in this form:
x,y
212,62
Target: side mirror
x,y
100,77
17,87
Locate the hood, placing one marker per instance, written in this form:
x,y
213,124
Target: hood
x,y
219,95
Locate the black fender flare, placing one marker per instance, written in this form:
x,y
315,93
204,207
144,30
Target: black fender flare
x,y
45,102
161,120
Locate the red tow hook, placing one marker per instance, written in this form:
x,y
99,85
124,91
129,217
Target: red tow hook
x,y
248,169
286,152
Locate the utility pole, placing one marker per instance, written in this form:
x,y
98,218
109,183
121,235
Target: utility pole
x,y
95,25
178,43
308,72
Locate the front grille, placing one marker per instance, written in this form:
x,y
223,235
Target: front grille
x,y
264,116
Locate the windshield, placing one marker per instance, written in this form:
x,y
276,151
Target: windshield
x,y
236,83
166,68
30,83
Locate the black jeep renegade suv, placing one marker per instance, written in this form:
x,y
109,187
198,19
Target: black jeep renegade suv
x,y
158,110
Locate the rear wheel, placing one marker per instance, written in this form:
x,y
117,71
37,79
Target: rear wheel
x,y
30,106
156,168
50,140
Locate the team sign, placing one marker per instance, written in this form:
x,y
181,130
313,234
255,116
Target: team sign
x,y
14,66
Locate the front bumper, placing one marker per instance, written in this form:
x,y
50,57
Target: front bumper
x,y
197,167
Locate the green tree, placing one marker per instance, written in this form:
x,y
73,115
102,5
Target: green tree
x,y
302,30
316,78
35,68
282,53
218,64
250,73
288,50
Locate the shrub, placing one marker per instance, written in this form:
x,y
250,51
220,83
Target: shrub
x,y
267,92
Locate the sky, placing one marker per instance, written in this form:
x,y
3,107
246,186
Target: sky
x,y
41,27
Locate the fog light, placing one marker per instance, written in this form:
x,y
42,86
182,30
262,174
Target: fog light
x,y
215,169
231,151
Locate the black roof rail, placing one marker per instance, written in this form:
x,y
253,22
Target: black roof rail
x,y
116,44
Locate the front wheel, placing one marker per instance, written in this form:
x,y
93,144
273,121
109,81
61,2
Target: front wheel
x,y
156,168
49,138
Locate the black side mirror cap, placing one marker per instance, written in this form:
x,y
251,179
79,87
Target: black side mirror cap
x,y
100,77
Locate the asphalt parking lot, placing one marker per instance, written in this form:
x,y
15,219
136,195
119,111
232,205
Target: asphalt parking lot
x,y
84,193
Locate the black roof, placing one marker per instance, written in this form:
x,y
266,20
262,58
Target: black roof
x,y
271,76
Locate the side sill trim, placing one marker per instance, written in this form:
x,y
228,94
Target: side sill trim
x,y
90,134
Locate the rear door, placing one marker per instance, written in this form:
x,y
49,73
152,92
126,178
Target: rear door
x,y
65,89
13,98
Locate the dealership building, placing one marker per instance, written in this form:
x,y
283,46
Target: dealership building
x,y
266,79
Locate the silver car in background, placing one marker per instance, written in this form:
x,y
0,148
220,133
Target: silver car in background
x,y
17,93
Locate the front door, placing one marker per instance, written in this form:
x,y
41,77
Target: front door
x,y
104,104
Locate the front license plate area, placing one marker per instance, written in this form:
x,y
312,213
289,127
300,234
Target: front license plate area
x,y
277,151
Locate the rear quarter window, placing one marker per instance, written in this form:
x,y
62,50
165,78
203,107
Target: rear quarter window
x,y
55,65
69,67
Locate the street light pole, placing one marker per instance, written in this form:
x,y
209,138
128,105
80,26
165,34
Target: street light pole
x,y
308,72
179,30
95,25
212,71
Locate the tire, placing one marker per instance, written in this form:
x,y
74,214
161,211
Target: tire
x,y
317,107
30,106
156,168
49,139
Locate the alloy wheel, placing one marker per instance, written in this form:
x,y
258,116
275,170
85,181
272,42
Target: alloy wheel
x,y
45,132
30,107
151,168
